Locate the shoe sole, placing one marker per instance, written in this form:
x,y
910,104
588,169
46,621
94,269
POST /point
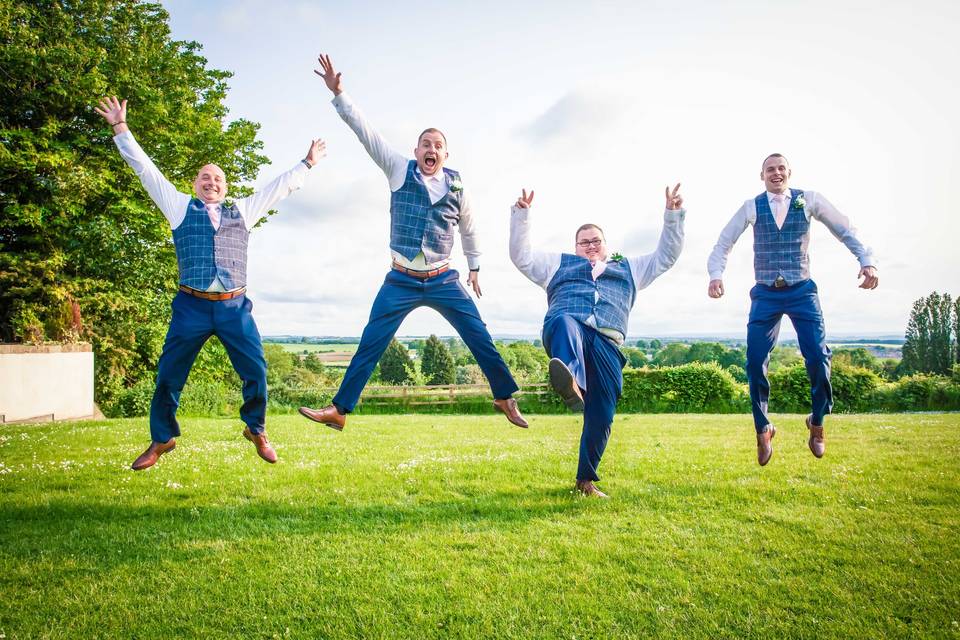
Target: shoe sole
x,y
332,425
563,383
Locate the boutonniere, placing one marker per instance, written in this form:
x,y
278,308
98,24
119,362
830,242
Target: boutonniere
x,y
456,185
617,257
799,202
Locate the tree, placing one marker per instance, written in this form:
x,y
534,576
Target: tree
x,y
436,363
394,364
671,355
635,357
928,347
75,224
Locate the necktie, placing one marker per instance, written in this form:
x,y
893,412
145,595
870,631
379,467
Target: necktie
x,y
780,209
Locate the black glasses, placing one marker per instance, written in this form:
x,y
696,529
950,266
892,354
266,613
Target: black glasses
x,y
586,243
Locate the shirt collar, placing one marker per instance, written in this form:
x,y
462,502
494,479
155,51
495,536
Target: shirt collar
x,y
441,176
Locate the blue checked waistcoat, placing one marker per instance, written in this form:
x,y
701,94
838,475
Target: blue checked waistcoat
x,y
781,252
573,291
416,225
204,253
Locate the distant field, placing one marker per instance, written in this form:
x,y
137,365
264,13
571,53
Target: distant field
x,y
465,527
298,347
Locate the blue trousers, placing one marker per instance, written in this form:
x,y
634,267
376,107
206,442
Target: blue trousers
x,y
194,321
401,294
801,304
597,365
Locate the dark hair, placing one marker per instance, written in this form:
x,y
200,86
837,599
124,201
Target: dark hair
x,y
584,227
774,155
431,130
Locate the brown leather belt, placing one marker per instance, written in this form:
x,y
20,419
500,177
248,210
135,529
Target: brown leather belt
x,y
213,295
421,275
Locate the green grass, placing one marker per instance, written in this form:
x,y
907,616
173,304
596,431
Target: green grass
x,y
465,527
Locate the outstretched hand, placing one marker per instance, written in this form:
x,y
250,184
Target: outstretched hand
x,y
870,278
330,75
318,150
674,199
114,112
525,201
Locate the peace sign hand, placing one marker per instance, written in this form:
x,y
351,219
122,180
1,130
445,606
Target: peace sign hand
x,y
524,201
330,75
674,199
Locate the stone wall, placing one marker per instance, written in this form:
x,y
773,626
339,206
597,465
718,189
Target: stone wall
x,y
46,382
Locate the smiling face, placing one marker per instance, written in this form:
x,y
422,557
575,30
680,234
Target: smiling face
x,y
775,173
591,243
210,185
431,152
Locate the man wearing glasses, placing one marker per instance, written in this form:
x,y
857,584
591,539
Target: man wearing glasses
x,y
589,297
427,201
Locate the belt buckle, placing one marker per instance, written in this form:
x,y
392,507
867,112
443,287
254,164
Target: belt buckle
x,y
779,283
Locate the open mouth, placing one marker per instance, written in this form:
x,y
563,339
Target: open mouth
x,y
430,161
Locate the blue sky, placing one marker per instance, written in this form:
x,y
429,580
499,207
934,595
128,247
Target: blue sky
x,y
597,106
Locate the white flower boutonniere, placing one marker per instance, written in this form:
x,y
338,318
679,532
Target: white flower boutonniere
x,y
456,185
799,202
617,257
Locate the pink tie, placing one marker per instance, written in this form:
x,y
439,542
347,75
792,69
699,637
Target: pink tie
x,y
780,213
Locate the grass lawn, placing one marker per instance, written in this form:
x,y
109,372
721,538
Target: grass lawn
x,y
466,527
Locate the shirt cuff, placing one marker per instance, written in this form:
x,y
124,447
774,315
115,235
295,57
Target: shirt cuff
x,y
867,261
473,262
341,101
716,275
674,214
123,136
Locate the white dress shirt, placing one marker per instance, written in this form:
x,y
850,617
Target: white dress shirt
x,y
173,203
816,207
540,267
394,166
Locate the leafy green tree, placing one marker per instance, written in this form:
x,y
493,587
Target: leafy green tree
x,y
672,355
655,345
642,344
858,357
928,347
395,364
75,224
527,363
436,363
635,357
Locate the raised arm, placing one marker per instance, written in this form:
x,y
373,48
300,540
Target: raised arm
x,y
171,202
539,267
645,269
393,164
841,228
253,207
717,261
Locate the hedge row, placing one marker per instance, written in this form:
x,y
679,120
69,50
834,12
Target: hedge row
x,y
690,388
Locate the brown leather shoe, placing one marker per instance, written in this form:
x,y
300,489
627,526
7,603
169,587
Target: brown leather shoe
x,y
149,457
509,408
563,382
764,446
587,488
816,442
259,440
328,416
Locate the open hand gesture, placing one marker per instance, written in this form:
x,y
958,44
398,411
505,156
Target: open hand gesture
x,y
330,75
674,199
318,150
524,201
113,111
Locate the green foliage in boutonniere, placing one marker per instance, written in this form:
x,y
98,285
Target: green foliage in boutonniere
x,y
799,202
617,257
456,185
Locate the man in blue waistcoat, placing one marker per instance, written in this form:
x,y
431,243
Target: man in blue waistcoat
x,y
589,297
781,233
210,237
427,201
